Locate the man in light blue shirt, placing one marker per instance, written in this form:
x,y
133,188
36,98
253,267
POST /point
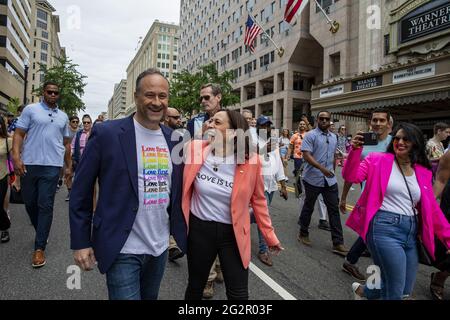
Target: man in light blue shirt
x,y
319,149
42,134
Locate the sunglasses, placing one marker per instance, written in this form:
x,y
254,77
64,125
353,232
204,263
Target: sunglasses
x,y
75,121
86,122
51,93
324,119
206,98
405,139
175,117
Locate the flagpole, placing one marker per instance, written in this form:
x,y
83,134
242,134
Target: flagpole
x,y
279,49
334,24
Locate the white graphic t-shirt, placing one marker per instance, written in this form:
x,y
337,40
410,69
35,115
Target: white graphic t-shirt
x,y
213,187
150,233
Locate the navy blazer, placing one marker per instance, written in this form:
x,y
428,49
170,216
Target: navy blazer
x,y
110,156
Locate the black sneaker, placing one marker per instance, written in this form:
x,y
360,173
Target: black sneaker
x,y
4,237
324,225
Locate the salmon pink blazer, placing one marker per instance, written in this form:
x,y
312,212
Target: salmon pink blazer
x,y
376,170
248,188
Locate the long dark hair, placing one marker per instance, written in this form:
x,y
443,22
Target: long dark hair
x,y
237,121
3,130
415,135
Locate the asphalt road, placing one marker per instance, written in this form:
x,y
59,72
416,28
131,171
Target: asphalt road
x,y
305,273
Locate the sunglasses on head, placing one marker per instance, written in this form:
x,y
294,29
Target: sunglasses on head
x,y
206,98
51,92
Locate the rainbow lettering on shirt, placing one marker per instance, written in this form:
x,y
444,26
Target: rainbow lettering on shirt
x,y
155,164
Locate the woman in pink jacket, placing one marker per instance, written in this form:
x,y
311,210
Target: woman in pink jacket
x,y
397,194
221,179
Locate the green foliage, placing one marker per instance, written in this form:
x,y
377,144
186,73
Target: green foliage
x,y
185,88
13,105
71,84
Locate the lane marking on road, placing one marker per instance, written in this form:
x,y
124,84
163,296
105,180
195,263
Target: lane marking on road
x,y
271,283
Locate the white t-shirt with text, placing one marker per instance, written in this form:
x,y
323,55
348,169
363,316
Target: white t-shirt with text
x,y
151,230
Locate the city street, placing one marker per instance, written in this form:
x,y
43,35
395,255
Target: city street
x,y
300,272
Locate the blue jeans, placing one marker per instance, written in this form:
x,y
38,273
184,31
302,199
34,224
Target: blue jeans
x,y
135,277
38,193
392,242
262,243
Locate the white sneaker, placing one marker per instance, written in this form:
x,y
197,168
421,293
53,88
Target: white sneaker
x,y
355,287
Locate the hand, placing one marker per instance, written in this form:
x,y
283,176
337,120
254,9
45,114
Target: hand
x,y
343,206
448,251
16,184
327,173
276,249
284,193
85,259
358,140
19,167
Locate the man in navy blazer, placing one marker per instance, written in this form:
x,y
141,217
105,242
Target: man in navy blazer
x,y
139,202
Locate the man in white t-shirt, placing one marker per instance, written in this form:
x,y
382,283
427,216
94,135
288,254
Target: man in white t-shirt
x,y
139,203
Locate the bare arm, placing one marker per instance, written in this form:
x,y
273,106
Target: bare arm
x,y
442,175
343,202
18,138
290,150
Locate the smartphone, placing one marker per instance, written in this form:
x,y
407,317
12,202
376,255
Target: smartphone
x,y
370,138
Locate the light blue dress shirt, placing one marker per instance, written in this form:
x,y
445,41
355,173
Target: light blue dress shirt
x,y
322,147
46,129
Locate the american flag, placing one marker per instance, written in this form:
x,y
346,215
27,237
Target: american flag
x,y
291,9
252,30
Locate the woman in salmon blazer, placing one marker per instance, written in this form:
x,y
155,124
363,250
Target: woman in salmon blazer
x,y
221,179
396,207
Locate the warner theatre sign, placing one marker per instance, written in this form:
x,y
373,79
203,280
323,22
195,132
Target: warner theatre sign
x,y
421,23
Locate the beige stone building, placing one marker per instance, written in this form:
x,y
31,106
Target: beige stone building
x,y
266,83
118,101
388,54
46,46
15,44
393,54
159,49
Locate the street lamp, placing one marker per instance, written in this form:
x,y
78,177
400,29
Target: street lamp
x,y
25,63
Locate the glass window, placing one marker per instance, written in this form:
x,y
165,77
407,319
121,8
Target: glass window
x,y
41,24
41,14
44,46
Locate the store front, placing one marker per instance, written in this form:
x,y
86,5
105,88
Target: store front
x,y
414,89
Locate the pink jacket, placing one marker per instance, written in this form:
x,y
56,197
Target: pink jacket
x,y
248,188
376,170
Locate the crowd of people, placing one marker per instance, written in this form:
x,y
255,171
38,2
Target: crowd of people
x,y
195,191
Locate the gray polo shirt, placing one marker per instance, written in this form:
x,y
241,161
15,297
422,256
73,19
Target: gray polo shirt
x,y
46,129
322,146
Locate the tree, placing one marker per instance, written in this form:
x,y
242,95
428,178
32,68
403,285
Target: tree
x,y
70,81
185,88
13,105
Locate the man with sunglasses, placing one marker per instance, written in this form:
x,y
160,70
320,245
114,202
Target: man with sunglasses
x,y
38,159
173,119
319,151
210,98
